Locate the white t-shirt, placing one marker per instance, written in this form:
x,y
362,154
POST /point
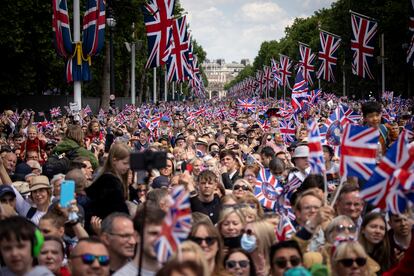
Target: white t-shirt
x,y
131,269
22,207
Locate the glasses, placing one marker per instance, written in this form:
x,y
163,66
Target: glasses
x,y
341,228
242,139
209,240
282,262
88,259
243,187
242,263
349,262
123,236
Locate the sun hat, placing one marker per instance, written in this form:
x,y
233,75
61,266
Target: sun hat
x,y
301,151
39,182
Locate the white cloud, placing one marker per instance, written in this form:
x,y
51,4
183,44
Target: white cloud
x,y
263,11
235,29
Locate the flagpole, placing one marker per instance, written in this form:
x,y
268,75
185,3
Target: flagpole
x,y
325,187
165,86
154,85
284,93
173,91
133,92
382,65
77,94
343,79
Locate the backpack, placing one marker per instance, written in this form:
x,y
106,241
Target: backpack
x,y
56,164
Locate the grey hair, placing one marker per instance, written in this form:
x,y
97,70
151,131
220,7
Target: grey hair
x,y
108,223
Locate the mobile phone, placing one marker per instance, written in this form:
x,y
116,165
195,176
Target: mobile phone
x,y
67,193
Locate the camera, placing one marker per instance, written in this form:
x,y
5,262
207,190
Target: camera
x,y
148,160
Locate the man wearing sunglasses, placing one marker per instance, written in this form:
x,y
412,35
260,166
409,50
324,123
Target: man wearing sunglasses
x,y
89,257
285,255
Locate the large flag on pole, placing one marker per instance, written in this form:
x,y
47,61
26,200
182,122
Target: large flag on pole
x,y
306,62
158,18
178,67
328,56
362,44
284,72
300,91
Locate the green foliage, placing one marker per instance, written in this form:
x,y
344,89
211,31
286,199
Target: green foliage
x,y
392,19
30,62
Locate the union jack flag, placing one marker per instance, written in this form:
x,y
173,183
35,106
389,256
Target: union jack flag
x,y
316,160
313,96
388,95
87,110
259,82
93,35
391,184
306,61
328,57
292,185
362,44
178,68
300,91
176,225
284,230
158,18
267,79
288,130
410,50
55,111
285,73
247,105
276,72
359,147
267,189
264,124
323,129
344,115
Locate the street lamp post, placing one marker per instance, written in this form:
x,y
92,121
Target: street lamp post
x,y
111,22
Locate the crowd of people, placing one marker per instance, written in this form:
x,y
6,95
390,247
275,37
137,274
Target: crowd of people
x,y
216,152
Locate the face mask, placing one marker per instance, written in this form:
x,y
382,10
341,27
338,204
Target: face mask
x,y
248,243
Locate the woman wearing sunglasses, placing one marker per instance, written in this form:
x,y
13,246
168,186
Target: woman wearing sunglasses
x,y
239,263
241,187
350,258
208,238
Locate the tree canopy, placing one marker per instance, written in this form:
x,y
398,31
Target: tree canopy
x,y
392,19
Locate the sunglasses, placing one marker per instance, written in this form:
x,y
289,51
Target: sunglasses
x,y
244,187
351,228
232,264
249,232
209,240
349,262
242,139
88,259
282,262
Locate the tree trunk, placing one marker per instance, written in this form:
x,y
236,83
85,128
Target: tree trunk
x,y
142,86
127,82
105,92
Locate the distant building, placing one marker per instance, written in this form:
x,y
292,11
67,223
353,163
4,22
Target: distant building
x,y
219,73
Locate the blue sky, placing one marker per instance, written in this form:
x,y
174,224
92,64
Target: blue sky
x,y
234,29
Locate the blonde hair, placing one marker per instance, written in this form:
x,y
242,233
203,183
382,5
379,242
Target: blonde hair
x,y
250,198
333,224
226,212
198,254
118,151
265,234
249,211
342,251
